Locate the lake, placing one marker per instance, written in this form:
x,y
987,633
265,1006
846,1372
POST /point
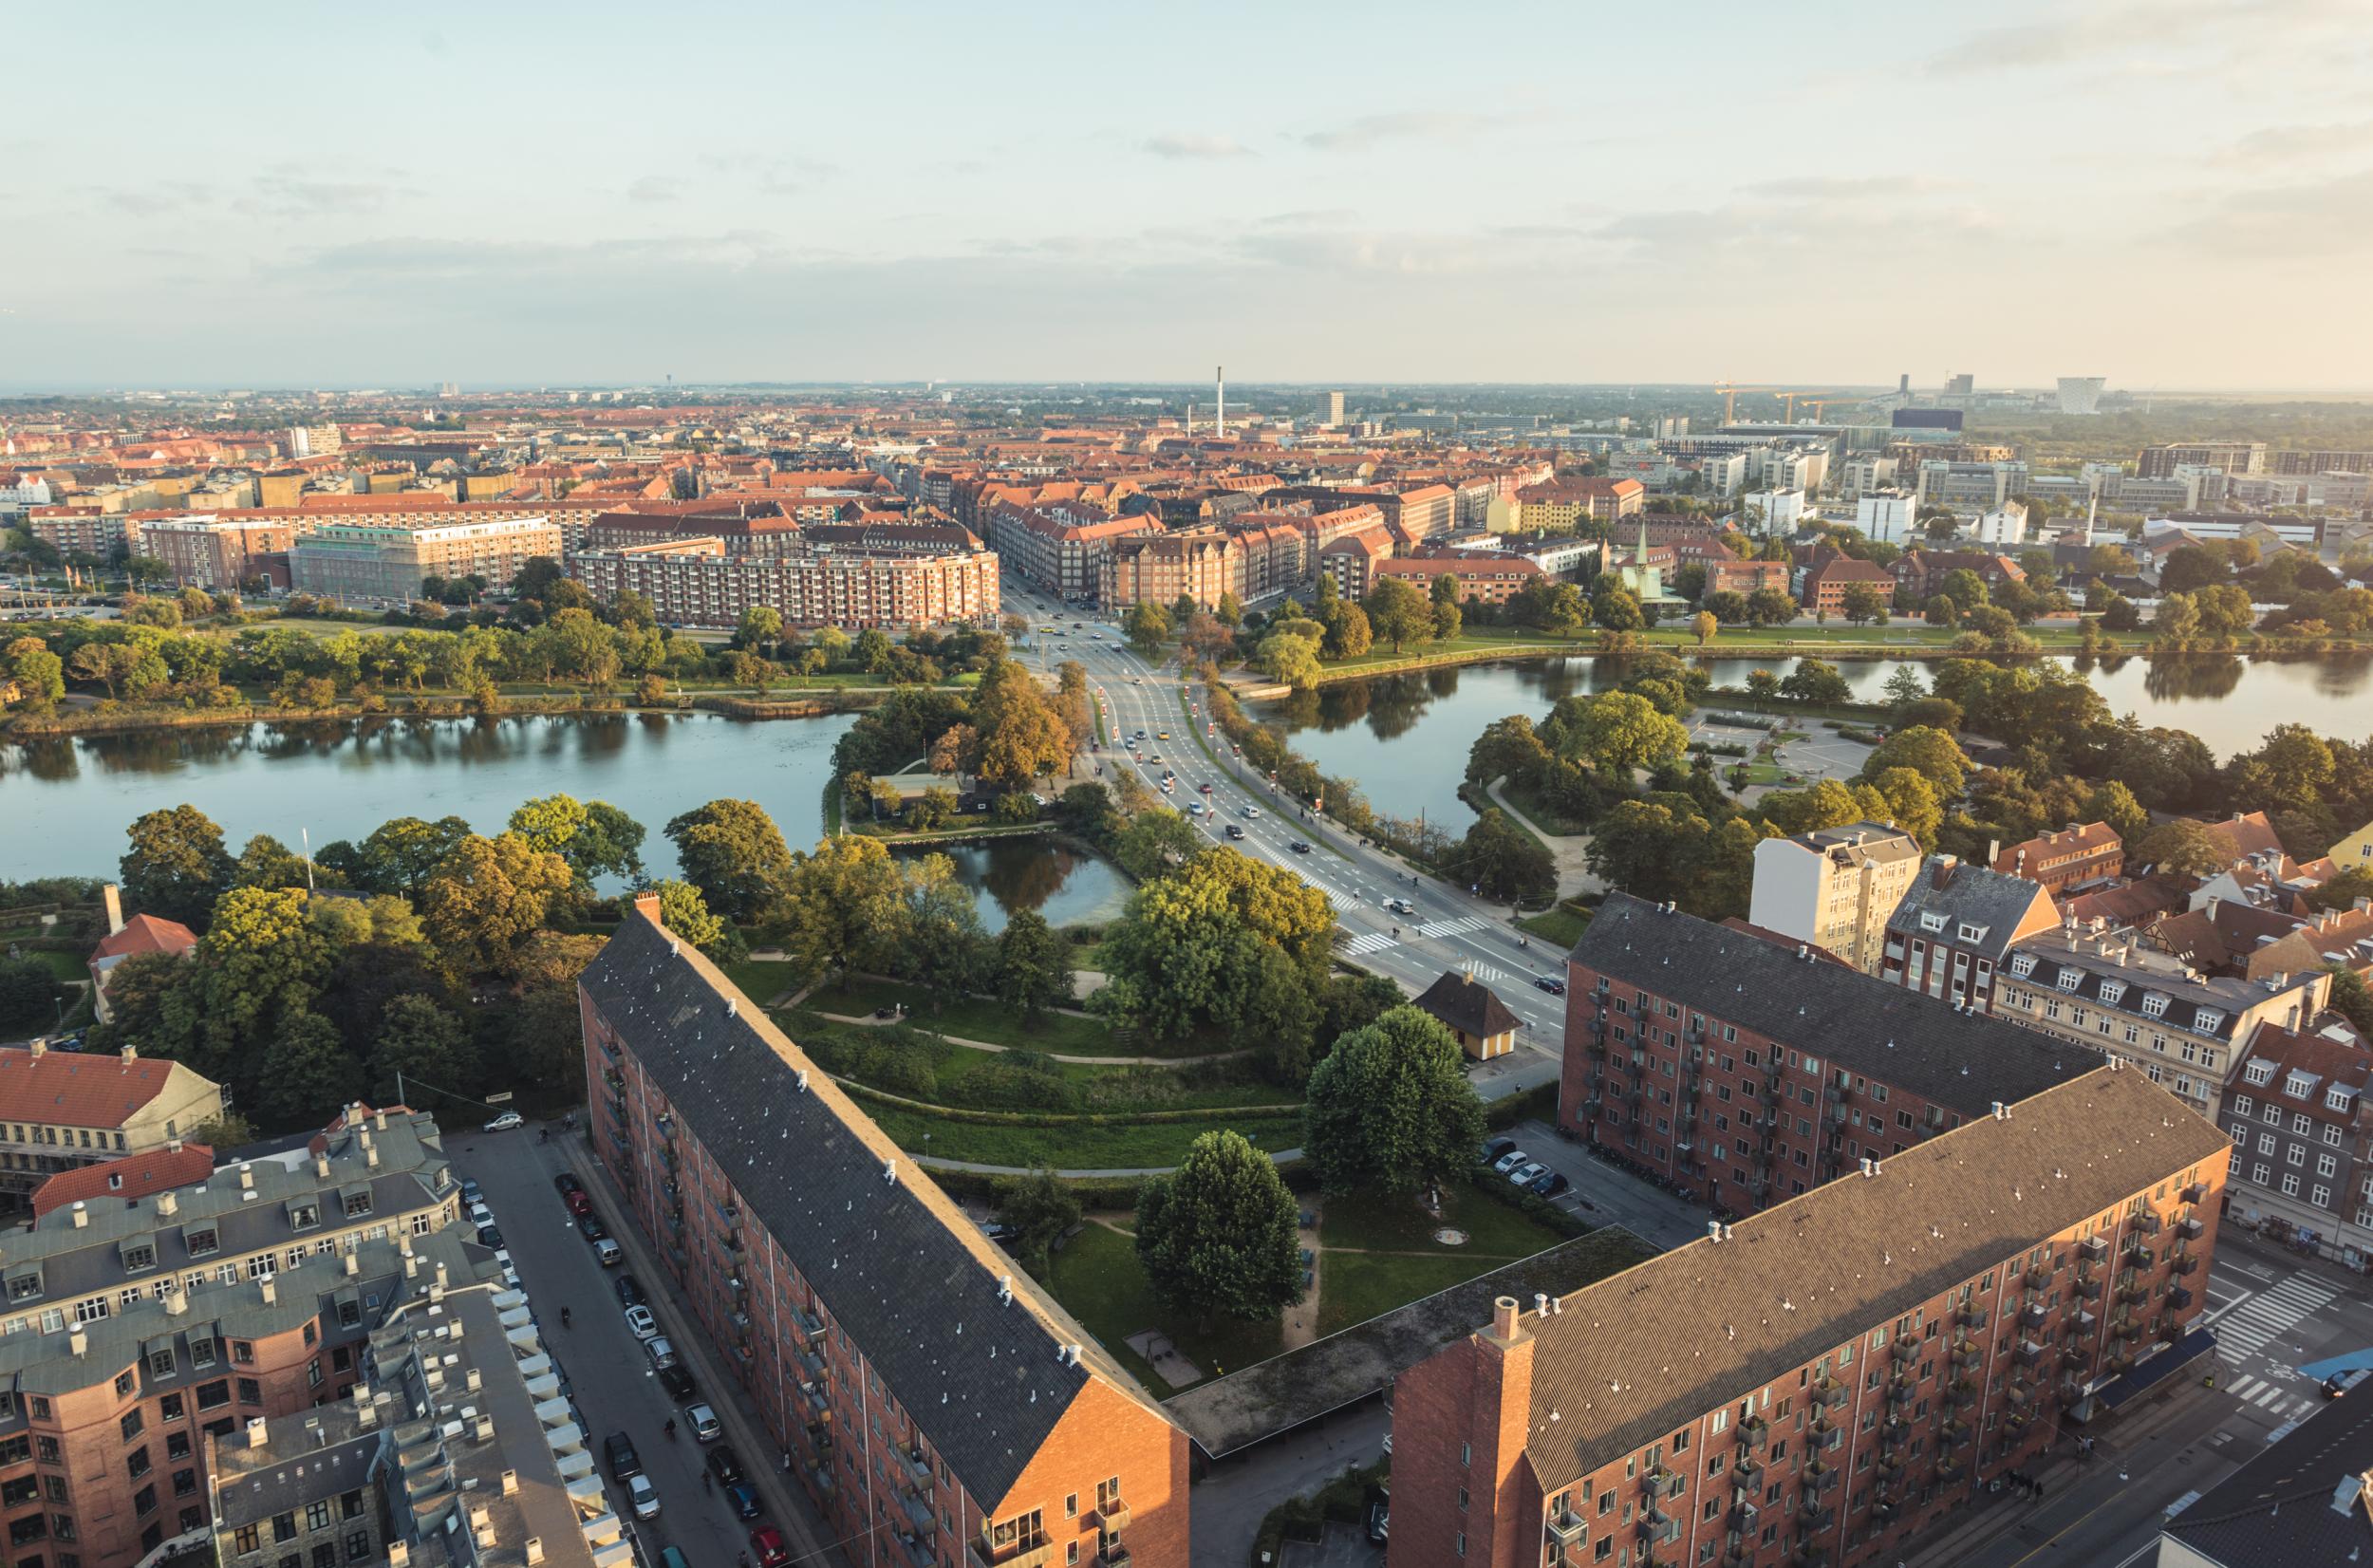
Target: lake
x,y
65,803
1404,739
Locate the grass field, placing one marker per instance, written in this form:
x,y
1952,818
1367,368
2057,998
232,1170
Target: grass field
x,y
1493,1229
1073,1146
974,1019
764,980
1097,1277
1562,926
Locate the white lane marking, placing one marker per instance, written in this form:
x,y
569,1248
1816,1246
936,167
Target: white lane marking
x,y
1453,927
1368,941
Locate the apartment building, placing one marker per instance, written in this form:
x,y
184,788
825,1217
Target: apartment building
x,y
1835,888
60,1110
2157,462
2182,1028
385,563
2308,462
1563,504
2302,1136
1060,548
79,531
1886,514
1969,486
1201,566
214,552
1484,576
938,1407
1921,573
1956,925
1750,1072
2078,853
1825,1383
1826,585
135,1330
699,582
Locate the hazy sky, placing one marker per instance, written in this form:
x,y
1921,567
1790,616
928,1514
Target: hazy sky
x,y
2171,193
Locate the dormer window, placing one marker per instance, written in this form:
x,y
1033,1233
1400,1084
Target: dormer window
x,y
2299,1085
2070,978
2336,1098
2207,1020
2111,990
1930,920
2154,1005
2259,1073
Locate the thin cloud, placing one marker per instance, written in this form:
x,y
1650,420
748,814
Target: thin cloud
x,y
655,188
2286,144
2315,219
2109,38
1182,144
1373,130
283,193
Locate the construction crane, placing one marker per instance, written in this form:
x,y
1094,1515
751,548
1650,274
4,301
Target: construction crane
x,y
1730,395
1787,397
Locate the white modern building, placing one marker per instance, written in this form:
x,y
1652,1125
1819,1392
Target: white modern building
x,y
2082,394
2003,527
1781,509
1887,514
1835,888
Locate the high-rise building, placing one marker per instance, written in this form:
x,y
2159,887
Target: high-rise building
x,y
1961,385
1333,410
1835,886
2082,394
2160,462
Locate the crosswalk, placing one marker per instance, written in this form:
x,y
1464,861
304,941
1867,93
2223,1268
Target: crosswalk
x,y
1370,941
2256,1321
2283,1403
1453,927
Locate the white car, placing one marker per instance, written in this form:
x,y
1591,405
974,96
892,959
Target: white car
x,y
703,1421
640,1323
505,1122
481,1215
644,1496
1527,1173
1510,1161
1252,814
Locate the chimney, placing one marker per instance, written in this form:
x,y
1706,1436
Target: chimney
x,y
131,1052
2002,1111
1504,1312
534,1549
82,1215
354,1265
647,905
168,1204
78,1342
379,1118
172,1146
177,1300
265,1287
113,897
258,1431
247,1174
400,1554
510,1483
39,1046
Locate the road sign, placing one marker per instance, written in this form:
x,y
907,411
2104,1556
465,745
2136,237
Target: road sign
x,y
504,1098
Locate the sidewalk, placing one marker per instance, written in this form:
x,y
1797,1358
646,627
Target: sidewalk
x,y
787,1504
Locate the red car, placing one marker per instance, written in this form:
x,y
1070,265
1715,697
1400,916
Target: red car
x,y
579,1203
767,1541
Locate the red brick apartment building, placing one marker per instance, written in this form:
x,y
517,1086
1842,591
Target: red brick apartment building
x,y
1748,1072
2084,852
1823,1383
939,1408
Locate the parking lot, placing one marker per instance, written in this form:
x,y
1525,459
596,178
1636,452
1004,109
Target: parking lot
x,y
1605,1195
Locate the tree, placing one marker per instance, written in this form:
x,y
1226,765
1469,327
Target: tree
x,y
400,854
1399,613
488,894
1186,951
1727,607
1350,635
1770,606
1217,1236
761,627
1229,611
733,852
594,837
1390,1110
1932,753
29,992
1615,607
1508,748
2113,802
2183,848
420,1041
176,865
1815,683
1502,861
1965,588
268,863
1021,735
1286,657
1036,1210
1449,621
1911,803
687,915
307,1072
40,674
1705,626
932,809
1619,731
1030,965
843,905
1156,842
1864,603
1148,626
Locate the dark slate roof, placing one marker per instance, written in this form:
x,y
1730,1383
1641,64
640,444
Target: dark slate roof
x,y
291,1479
1963,1062
1994,901
2300,1501
1626,1361
1464,1003
896,1262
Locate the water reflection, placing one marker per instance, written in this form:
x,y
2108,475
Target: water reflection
x,y
2192,675
1065,885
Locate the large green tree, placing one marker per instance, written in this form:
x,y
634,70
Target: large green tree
x,y
427,1045
1022,735
1390,1109
1621,731
176,865
400,854
843,905
1399,613
1187,950
486,895
733,852
1217,1236
1933,753
1501,860
1031,965
594,837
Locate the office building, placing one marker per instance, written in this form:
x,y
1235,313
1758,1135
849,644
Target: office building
x,y
2160,462
385,563
1825,1383
936,1406
1969,486
1835,886
1888,515
1960,386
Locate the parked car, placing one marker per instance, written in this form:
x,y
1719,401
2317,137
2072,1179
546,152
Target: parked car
x,y
679,1383
629,1291
640,1323
608,1252
471,1193
644,1496
481,1215
1498,1146
1550,984
564,1182
489,1237
766,1545
703,1421
724,1465
1527,1173
662,1352
580,1203
1509,1161
591,1226
504,1123
618,1449
743,1498
1550,1184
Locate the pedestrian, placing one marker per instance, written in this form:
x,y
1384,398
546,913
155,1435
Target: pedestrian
x,y
2039,1491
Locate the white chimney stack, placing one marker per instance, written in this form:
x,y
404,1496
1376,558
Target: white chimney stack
x,y
113,895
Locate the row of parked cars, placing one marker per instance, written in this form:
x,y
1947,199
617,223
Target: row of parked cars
x,y
1521,1170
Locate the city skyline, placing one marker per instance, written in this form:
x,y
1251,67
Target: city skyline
x,y
1564,196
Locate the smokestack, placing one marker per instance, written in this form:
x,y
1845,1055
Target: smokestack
x,y
113,897
647,905
1219,374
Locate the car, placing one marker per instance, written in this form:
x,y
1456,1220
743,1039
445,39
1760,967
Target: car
x,y
608,1252
660,1351
678,1383
1496,1148
1527,1173
1251,813
481,1215
564,1183
1400,905
471,1192
703,1421
2335,1384
640,1323
743,1498
629,1291
1550,984
505,1122
1379,1524
619,1449
1234,832
766,1542
589,1225
1509,1161
1549,1185
724,1465
489,1237
1298,847
1194,807
644,1496
1163,735
580,1203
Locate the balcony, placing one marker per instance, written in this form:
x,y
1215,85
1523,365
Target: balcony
x,y
2088,1288
1905,1351
1950,1471
1814,1518
2070,1390
1747,1476
1753,1430
2196,1193
1972,1318
1967,1354
1957,1432
2139,1257
1901,1391
1112,1516
2032,1315
2147,1223
1962,1394
2093,1249
2190,1230
2029,1352
2182,1263
2038,1278
2072,1358
2179,1298
1037,1554
1746,1519
1829,1392
1566,1528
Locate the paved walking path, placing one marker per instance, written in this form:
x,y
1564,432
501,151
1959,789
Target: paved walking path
x,y
1117,1173
1570,851
1051,1055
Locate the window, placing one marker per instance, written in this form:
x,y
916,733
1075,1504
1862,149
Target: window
x,y
317,1514
201,1354
202,1242
2070,978
2299,1124
2290,1185
139,1258
2023,964
2207,1020
2336,1098
2241,1105
2327,1165
132,1423
284,1526
357,1204
244,1540
2111,990
2154,1005
2321,1197
161,1362
358,1545
243,1352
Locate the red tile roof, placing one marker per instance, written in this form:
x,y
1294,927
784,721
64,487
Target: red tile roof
x,y
138,1175
146,934
70,1090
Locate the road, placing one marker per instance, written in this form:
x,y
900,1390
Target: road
x,y
1447,930
613,1383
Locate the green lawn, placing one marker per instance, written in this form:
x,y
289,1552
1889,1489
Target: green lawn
x,y
1560,925
764,980
66,967
1354,1287
1096,1277
1494,1230
973,1017
1079,1146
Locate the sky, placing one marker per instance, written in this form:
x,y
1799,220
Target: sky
x,y
2173,194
